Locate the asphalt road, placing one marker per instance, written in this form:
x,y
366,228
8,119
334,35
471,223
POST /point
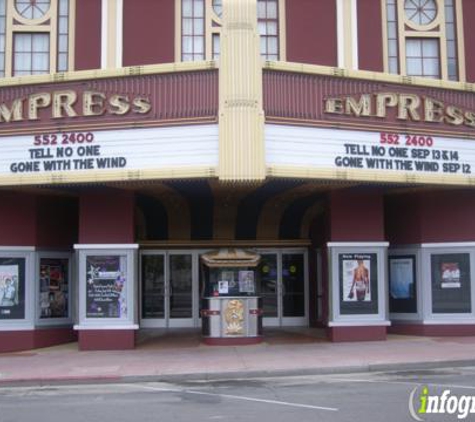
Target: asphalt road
x,y
353,397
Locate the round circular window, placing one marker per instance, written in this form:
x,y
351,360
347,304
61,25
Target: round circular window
x,y
32,9
420,12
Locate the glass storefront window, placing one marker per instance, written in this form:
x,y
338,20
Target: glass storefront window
x,y
181,283
267,284
451,290
293,285
153,286
54,288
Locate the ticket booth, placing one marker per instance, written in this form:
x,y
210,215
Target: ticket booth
x,y
231,310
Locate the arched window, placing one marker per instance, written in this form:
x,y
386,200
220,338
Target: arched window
x,y
35,37
422,38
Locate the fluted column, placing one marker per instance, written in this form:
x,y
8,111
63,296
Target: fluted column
x,y
241,116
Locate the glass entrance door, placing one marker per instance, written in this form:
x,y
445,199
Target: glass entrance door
x,y
168,289
284,287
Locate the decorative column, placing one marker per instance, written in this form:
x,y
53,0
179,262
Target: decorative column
x,y
241,116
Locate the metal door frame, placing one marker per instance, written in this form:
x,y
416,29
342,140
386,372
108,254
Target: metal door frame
x,y
194,321
167,321
280,320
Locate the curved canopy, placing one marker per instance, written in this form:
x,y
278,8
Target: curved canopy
x,y
230,257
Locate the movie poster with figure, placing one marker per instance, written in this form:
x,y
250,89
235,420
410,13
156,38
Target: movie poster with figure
x,y
12,288
54,288
358,277
106,287
246,282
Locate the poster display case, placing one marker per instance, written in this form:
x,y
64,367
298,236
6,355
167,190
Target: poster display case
x,y
403,280
231,307
107,287
358,284
54,288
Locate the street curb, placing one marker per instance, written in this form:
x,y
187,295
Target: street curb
x,y
235,375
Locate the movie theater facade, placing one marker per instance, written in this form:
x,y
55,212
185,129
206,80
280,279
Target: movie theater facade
x,y
332,140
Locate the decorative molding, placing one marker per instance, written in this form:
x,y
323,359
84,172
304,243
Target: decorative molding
x,y
365,176
82,75
112,246
449,245
83,327
17,249
368,75
360,323
357,244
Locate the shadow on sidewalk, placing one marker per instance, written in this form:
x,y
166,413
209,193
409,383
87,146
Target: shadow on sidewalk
x,y
176,338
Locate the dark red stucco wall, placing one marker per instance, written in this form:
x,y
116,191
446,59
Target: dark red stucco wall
x,y
149,32
402,219
57,222
311,32
88,35
370,36
448,216
106,216
356,215
17,219
432,216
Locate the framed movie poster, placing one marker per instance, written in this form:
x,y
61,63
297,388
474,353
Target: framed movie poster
x,y
358,277
12,288
402,284
54,288
106,287
451,291
246,282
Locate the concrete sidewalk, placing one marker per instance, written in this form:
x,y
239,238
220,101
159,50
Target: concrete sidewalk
x,y
183,357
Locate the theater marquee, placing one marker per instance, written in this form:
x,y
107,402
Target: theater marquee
x,y
373,156
128,154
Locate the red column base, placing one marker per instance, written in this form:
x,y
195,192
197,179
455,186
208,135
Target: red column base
x,y
238,341
433,330
16,341
367,333
47,337
106,339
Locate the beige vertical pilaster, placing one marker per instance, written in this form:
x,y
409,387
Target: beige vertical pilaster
x,y
347,33
111,46
241,115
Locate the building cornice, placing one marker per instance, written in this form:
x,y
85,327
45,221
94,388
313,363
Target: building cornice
x,y
367,75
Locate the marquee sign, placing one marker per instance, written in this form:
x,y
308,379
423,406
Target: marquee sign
x,y
155,99
333,101
130,154
409,107
374,156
